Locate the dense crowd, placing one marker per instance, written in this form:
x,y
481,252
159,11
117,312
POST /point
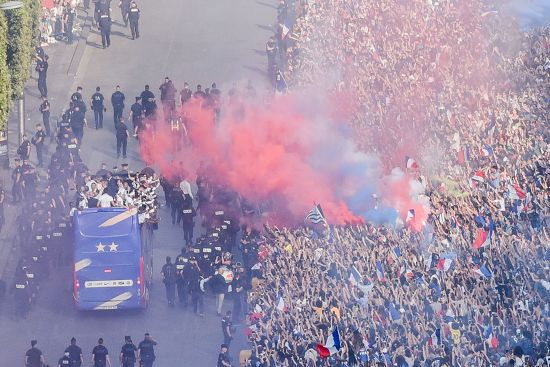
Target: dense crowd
x,y
472,288
59,22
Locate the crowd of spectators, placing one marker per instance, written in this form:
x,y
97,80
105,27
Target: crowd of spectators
x,y
57,17
471,288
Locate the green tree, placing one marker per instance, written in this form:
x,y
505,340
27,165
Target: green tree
x,y
22,31
5,82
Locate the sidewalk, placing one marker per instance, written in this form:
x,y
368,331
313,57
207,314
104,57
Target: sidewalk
x,y
63,64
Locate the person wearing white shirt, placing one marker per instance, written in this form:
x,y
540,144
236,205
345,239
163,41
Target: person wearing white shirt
x,y
105,200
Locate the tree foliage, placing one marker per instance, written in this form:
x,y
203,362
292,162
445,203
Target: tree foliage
x,y
5,82
18,36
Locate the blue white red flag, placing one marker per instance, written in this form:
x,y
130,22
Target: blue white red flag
x,y
332,346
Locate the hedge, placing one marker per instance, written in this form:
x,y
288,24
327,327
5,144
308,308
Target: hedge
x,y
5,82
22,34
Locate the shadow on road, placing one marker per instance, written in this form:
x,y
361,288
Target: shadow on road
x,y
266,4
268,28
256,70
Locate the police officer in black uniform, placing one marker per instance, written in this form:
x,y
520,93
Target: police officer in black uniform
x,y
98,107
197,293
17,177
133,17
22,295
42,69
38,140
226,328
188,213
77,123
76,357
185,94
100,355
77,96
105,28
182,270
121,138
45,110
169,279
124,9
147,101
64,361
136,115
176,202
128,353
223,358
146,351
117,100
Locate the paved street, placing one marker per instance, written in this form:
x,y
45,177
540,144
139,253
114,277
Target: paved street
x,y
188,40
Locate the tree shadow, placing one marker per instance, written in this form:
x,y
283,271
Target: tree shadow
x,y
266,4
268,28
256,70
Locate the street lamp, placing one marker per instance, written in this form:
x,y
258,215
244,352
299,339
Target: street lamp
x,y
13,5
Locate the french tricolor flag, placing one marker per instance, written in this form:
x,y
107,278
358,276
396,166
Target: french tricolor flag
x,y
486,150
444,265
410,216
483,237
332,346
435,338
516,193
464,155
380,271
478,177
483,271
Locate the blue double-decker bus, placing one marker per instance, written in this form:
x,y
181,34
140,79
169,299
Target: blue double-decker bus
x,y
113,264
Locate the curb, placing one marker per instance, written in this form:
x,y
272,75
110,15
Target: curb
x,y
81,46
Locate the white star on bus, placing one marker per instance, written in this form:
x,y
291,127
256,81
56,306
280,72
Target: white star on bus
x,y
100,247
113,247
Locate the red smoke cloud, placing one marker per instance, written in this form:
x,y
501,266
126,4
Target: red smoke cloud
x,y
293,151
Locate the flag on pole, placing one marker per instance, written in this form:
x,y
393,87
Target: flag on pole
x,y
332,346
316,215
285,29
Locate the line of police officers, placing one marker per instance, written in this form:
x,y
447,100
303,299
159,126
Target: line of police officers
x,y
208,262
73,356
44,233
102,17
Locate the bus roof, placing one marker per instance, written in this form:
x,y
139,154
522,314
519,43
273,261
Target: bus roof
x,y
106,222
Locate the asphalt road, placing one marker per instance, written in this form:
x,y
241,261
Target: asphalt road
x,y
198,41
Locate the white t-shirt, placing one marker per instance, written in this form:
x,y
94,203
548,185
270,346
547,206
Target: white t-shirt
x,y
105,200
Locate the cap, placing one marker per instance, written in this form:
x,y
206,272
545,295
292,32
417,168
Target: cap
x,y
224,346
128,338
